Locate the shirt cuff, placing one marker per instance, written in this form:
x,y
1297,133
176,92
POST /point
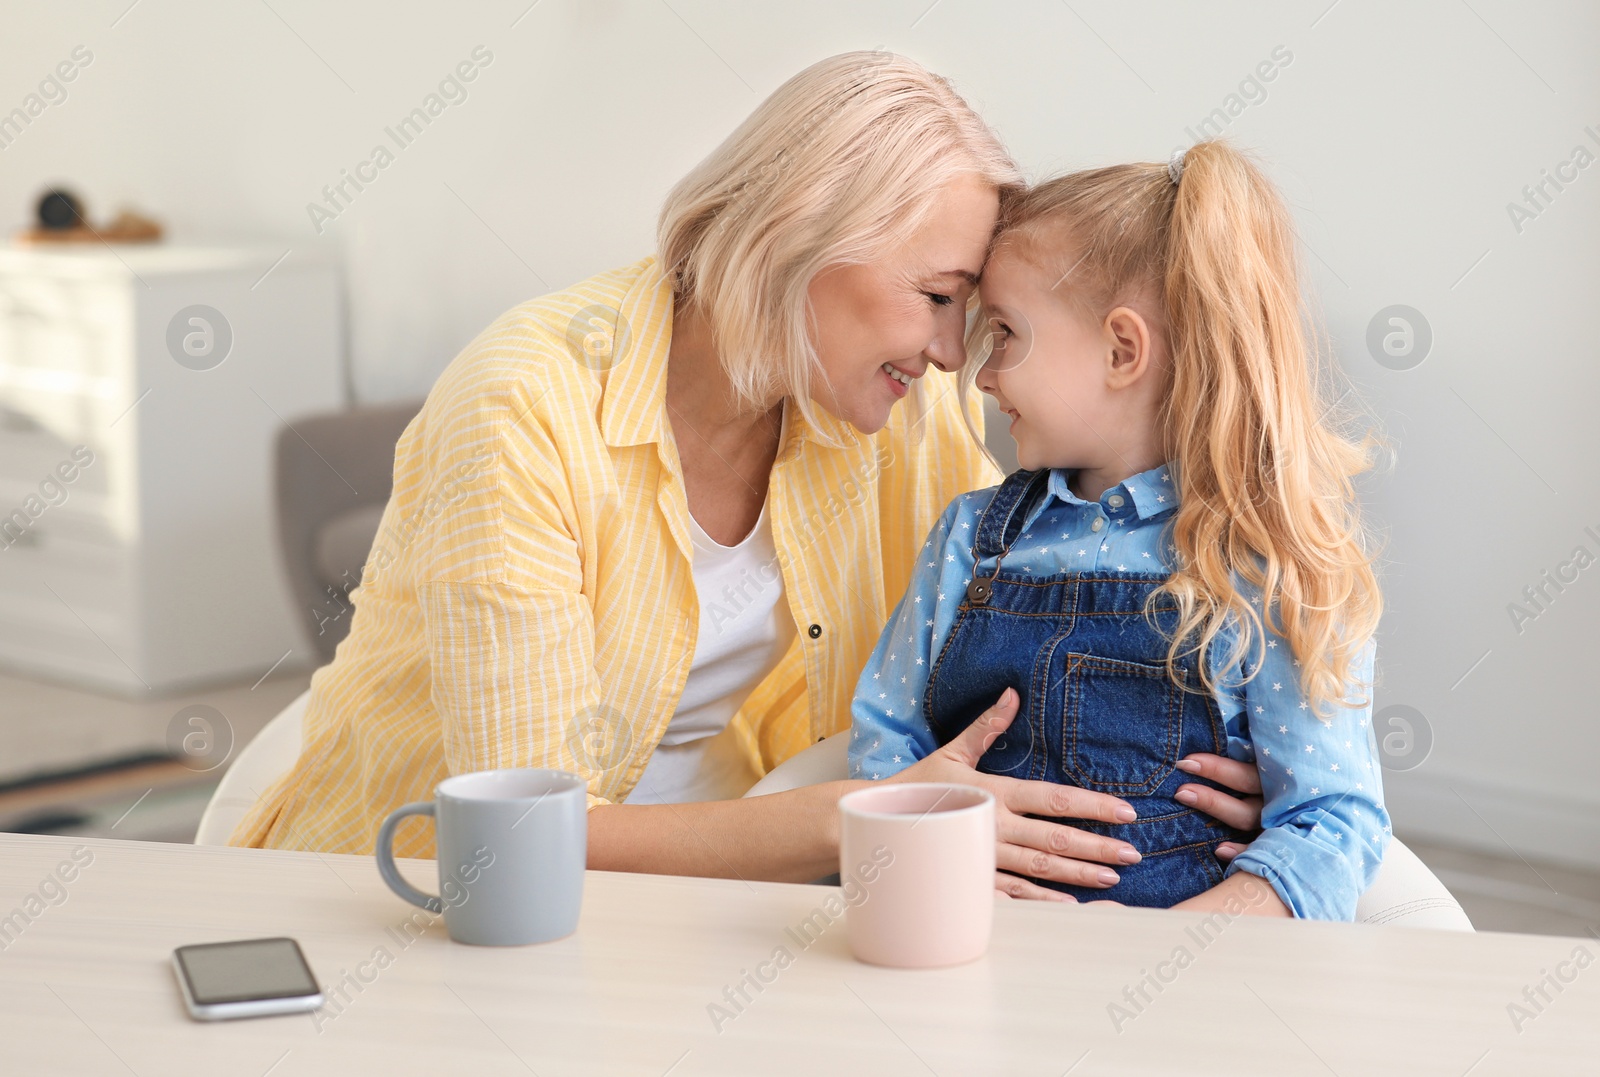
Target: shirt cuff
x,y
1316,882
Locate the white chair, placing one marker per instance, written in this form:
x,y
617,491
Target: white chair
x,y
260,763
1404,893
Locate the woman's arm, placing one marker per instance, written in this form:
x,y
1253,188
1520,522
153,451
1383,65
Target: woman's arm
x,y
794,836
783,837
1241,894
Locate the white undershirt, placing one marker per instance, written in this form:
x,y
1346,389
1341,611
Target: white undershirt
x,y
745,629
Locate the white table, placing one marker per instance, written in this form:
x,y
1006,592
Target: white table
x,y
87,986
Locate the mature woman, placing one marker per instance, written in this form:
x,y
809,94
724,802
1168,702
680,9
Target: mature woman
x,y
649,528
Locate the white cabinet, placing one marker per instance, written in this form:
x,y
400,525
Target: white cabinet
x,y
137,536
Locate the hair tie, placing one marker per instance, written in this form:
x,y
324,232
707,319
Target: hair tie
x,y
1175,166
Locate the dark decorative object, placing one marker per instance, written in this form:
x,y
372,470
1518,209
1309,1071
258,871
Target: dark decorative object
x,y
61,219
59,210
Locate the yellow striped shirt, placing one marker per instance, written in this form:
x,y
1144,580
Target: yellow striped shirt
x,y
529,600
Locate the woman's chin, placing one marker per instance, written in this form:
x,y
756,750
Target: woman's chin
x,y
868,419
872,424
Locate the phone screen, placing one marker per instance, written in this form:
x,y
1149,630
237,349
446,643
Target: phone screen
x,y
245,971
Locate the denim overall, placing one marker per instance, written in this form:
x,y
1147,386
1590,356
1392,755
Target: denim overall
x,y
1097,708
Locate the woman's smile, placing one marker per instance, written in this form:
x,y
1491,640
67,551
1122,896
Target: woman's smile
x,y
899,380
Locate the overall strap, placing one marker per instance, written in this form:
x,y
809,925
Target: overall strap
x,y
999,525
1001,520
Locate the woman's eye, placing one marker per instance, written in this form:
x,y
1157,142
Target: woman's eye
x,y
939,299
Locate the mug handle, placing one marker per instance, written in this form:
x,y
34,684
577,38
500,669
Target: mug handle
x,y
385,855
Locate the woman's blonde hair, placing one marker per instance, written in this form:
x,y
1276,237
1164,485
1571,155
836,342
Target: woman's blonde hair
x,y
1264,479
840,163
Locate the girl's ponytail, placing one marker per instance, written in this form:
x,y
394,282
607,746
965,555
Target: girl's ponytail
x,y
1265,491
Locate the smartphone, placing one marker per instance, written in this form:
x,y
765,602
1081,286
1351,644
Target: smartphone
x,y
247,978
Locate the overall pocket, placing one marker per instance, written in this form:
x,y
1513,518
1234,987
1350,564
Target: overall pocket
x,y
1121,722
988,651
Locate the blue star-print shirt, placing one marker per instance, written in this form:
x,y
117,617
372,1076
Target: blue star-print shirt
x,y
1324,824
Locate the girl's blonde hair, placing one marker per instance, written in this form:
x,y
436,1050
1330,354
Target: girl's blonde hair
x,y
1264,482
840,163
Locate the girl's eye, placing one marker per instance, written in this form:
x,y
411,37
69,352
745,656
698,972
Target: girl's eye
x,y
1005,330
938,299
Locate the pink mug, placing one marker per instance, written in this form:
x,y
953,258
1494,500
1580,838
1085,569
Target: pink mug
x,y
923,854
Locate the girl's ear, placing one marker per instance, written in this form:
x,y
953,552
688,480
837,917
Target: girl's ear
x,y
1128,358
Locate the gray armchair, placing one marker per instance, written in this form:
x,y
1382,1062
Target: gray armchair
x,y
335,473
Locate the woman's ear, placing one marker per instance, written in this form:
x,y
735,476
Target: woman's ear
x,y
1129,339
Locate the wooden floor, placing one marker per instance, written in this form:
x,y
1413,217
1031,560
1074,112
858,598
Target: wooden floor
x,y
53,737
47,728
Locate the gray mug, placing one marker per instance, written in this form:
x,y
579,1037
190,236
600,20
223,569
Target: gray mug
x,y
512,846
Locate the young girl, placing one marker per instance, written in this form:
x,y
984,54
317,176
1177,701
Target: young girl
x,y
1145,339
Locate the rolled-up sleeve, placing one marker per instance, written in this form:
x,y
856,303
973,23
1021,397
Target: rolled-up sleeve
x,y
1324,825
510,633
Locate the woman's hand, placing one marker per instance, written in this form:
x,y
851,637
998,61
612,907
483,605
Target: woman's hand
x,y
1241,813
1026,846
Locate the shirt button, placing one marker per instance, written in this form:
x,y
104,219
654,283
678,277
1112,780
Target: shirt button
x,y
1115,501
814,631
1097,523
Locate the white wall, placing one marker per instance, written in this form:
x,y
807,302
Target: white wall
x,y
1399,132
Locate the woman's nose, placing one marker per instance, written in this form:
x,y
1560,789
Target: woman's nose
x,y
948,350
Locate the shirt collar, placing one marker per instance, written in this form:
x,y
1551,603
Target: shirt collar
x,y
633,404
634,399
1151,492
